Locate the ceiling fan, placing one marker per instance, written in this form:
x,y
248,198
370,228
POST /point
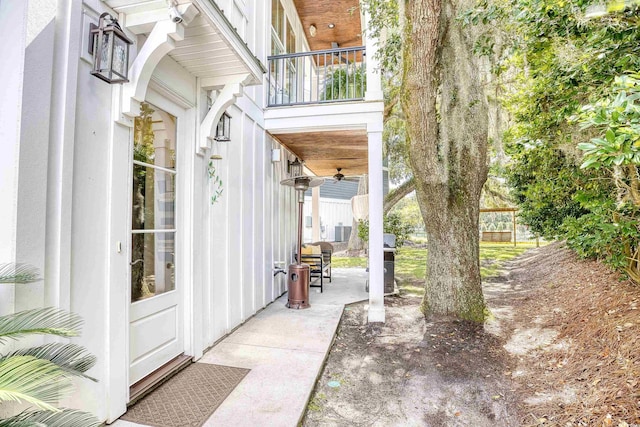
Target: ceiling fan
x,y
340,176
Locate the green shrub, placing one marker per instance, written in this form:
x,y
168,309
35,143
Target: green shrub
x,y
393,224
608,233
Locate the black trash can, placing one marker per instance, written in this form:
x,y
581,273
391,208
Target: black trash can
x,y
389,251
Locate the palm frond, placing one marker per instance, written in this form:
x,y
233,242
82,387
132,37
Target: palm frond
x,y
52,321
65,418
18,273
71,358
35,381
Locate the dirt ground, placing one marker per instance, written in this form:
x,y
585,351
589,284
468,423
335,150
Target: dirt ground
x,y
562,348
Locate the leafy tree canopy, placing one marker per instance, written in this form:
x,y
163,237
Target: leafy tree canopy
x,y
552,61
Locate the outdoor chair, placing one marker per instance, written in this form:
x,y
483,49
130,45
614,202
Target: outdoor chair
x,y
327,252
319,261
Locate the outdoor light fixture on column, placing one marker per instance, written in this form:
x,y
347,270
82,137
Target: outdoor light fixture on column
x,y
294,168
223,130
110,49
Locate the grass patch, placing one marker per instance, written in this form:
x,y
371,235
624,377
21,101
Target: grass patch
x,y
411,264
348,262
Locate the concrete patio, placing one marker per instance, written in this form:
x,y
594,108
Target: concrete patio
x,y
285,350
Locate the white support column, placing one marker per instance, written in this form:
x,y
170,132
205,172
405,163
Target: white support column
x,y
315,214
60,181
374,82
376,256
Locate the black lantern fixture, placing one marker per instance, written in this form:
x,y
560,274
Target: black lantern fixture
x,y
295,168
223,130
109,46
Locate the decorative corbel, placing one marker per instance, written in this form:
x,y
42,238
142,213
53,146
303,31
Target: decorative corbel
x,y
160,42
142,22
227,97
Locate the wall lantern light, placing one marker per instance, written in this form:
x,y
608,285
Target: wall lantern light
x,y
110,49
275,155
223,130
294,168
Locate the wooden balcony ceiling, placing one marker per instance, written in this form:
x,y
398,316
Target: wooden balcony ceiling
x,y
344,14
324,152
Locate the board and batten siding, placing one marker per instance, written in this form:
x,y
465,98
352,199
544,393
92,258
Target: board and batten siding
x,y
333,212
250,227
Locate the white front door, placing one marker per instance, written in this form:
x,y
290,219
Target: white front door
x,y
155,312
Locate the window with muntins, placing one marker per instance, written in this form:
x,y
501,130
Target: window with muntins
x,y
283,71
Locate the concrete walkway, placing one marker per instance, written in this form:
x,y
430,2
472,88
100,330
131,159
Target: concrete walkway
x,y
285,350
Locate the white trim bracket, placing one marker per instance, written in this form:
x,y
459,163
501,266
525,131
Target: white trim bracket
x,y
160,42
142,22
227,97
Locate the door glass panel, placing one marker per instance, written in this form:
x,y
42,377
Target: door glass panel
x,y
153,265
154,137
153,207
153,203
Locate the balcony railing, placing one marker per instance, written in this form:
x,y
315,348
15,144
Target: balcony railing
x,y
324,76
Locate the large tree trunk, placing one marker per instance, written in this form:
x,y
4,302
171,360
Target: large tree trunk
x,y
446,112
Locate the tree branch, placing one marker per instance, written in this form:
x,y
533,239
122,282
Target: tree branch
x,y
634,186
397,194
496,194
388,108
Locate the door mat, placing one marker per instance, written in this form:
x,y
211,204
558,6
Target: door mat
x,y
187,399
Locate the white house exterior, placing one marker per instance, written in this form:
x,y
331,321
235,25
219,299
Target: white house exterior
x,y
107,189
333,205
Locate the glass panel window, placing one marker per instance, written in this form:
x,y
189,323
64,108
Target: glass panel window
x,y
104,54
291,39
277,18
153,203
283,76
120,56
154,138
152,265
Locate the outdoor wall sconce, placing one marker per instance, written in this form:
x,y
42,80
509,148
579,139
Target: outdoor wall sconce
x,y
223,130
275,155
109,46
294,168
